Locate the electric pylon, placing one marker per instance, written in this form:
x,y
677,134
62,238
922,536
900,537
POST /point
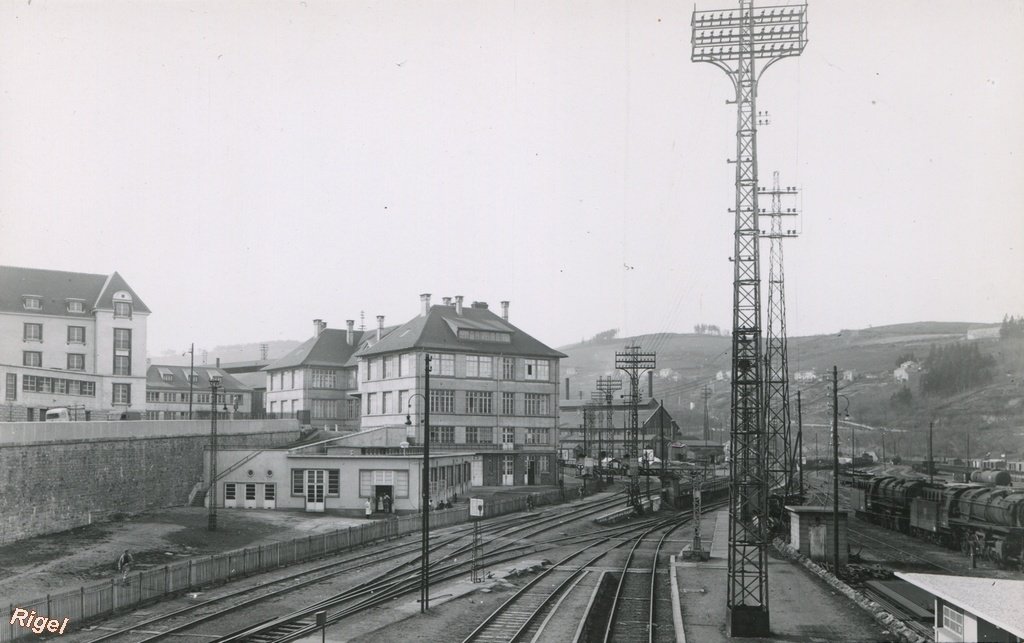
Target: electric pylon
x,y
607,386
634,363
735,41
777,416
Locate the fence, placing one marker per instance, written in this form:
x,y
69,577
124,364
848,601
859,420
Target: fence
x,y
106,598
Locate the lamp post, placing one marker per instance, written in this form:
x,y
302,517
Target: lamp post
x,y
191,375
425,484
835,463
214,385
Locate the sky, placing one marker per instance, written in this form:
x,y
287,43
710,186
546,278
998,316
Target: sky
x,y
250,166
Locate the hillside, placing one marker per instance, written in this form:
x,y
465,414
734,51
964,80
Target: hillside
x,y
993,414
230,353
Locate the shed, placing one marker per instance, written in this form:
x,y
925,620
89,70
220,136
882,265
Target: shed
x,y
811,532
973,609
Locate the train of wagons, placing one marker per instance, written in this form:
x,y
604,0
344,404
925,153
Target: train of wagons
x,y
985,517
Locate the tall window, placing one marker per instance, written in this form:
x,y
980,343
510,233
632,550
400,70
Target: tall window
x,y
122,394
442,364
76,334
31,358
11,392
508,435
324,378
508,403
33,332
442,434
442,401
122,339
479,366
479,402
508,464
122,365
536,404
385,402
76,362
122,309
536,436
508,368
390,366
371,404
472,435
952,619
403,401
537,369
325,409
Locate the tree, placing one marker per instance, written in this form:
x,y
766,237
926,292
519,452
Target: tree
x,y
956,368
1012,327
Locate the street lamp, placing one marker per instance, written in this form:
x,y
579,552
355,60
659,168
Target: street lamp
x,y
425,486
214,385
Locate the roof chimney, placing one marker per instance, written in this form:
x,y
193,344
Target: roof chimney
x,y
380,326
350,324
447,301
218,362
316,327
425,303
458,304
504,310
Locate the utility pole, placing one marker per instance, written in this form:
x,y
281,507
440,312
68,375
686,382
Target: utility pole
x,y
835,469
735,41
661,438
931,462
607,386
707,417
800,444
634,363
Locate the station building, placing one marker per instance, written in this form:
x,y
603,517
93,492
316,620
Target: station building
x,y
70,340
607,428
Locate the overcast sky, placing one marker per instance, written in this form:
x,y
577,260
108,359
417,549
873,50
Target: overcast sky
x,y
250,166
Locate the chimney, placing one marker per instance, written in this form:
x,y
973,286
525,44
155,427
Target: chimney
x,y
316,327
458,304
425,303
504,310
380,326
567,388
447,301
350,324
218,362
650,383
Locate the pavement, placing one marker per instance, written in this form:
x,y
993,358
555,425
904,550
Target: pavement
x,y
801,606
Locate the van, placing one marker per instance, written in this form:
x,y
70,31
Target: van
x,y
58,415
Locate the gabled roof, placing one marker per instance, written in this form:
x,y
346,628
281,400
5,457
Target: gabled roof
x,y
438,330
995,600
56,287
179,378
329,348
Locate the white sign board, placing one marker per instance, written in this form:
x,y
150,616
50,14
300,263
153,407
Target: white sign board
x,y
476,507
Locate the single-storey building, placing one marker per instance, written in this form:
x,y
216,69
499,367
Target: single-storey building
x,y
973,609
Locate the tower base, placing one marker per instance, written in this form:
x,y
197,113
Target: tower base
x,y
748,620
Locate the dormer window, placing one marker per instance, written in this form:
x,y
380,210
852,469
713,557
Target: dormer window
x,y
32,302
122,309
75,306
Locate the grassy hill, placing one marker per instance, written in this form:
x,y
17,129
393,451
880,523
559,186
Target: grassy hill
x,y
992,415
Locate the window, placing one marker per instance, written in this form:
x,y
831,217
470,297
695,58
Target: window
x,y
123,309
76,334
390,366
371,403
323,378
479,402
536,404
11,393
333,482
484,336
536,436
373,369
442,401
76,306
544,462
351,409
297,482
508,368
385,403
33,333
122,365
508,403
31,358
442,434
508,464
537,369
250,491
152,396
324,409
403,402
122,339
229,490
479,366
269,491
952,620
478,435
398,480
122,394
76,362
442,364
33,303
508,435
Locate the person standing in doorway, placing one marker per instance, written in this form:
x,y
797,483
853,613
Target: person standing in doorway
x,y
387,503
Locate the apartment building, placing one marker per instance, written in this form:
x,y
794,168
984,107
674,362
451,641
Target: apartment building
x,y
73,340
170,396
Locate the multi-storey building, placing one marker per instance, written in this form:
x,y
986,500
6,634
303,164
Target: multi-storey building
x,y
318,378
169,396
493,390
72,340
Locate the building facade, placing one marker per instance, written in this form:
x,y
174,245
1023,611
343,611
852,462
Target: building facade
x,y
493,390
70,340
168,394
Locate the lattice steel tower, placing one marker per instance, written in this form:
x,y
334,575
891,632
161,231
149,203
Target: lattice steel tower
x,y
735,41
634,363
777,416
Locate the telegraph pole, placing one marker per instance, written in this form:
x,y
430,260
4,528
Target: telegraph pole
x,y
735,41
835,469
634,363
799,459
707,417
607,386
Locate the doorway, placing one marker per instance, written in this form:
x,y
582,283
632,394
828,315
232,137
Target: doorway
x,y
508,468
314,484
379,493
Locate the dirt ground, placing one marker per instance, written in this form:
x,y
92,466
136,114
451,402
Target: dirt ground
x,y
57,562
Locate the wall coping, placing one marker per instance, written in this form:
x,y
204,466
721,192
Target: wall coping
x,y
26,433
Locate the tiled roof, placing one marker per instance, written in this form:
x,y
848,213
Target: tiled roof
x,y
995,600
55,287
329,348
179,378
437,330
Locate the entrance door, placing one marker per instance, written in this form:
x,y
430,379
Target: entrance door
x,y
384,498
250,495
477,472
269,496
530,472
508,468
229,494
314,489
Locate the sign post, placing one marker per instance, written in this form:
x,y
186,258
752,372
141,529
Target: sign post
x,y
476,514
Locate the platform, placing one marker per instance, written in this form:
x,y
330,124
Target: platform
x,y
802,607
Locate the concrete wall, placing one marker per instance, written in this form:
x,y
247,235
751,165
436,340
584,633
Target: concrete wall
x,y
60,475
